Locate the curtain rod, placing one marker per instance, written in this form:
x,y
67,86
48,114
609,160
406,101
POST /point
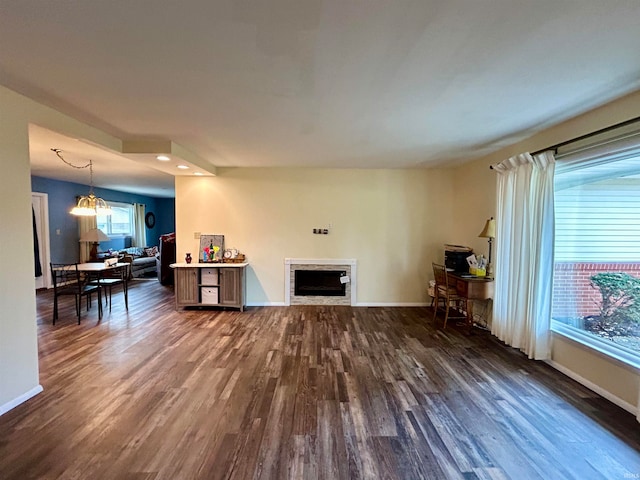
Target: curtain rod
x,y
585,136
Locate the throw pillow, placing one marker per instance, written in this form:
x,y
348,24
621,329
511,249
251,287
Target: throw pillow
x,y
135,251
151,251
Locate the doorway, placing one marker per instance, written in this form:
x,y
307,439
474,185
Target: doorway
x,y
40,204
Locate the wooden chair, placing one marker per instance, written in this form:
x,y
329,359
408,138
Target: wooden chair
x,y
113,278
67,280
448,295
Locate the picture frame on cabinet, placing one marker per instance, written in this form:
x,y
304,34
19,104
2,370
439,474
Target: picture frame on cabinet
x,y
211,248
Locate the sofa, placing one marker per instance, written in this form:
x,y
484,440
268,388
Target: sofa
x,y
142,260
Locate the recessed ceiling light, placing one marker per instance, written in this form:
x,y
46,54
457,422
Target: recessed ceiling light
x,y
163,158
183,167
197,173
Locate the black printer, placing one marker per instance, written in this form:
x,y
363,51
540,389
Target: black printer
x,y
455,258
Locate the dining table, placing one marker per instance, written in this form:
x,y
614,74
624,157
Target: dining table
x,y
100,270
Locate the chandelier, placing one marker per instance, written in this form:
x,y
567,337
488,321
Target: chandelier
x,y
89,205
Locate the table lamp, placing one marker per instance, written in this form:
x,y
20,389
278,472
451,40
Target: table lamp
x,y
489,232
94,236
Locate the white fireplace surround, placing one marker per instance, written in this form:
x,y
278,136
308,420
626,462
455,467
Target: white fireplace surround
x,y
291,264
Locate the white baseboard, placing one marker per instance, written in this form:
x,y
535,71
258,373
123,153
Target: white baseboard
x,y
392,304
592,386
266,304
363,304
21,399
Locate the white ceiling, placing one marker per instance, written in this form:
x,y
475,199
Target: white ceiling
x,y
331,83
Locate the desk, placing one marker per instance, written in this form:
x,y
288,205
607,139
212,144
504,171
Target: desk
x,y
98,270
472,288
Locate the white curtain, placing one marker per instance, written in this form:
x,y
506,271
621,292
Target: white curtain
x,y
524,247
139,238
84,225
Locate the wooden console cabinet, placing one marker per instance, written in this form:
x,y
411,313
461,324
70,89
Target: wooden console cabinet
x,y
209,284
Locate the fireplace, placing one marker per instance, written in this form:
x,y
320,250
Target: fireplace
x,y
324,283
320,281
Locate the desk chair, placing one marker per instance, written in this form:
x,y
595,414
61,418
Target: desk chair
x,y
448,295
68,281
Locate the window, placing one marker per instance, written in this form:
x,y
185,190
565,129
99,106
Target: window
x,y
596,291
120,222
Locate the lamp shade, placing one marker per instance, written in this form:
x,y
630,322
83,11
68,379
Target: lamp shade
x,y
94,235
489,230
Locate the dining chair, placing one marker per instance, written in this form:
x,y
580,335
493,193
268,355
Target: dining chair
x,y
112,278
448,295
67,280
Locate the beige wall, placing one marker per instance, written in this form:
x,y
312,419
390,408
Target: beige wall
x,y
393,222
18,335
18,344
603,373
473,203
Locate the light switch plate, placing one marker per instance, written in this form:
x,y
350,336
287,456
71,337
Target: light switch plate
x,y
196,235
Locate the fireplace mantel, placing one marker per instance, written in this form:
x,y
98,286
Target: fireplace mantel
x,y
291,264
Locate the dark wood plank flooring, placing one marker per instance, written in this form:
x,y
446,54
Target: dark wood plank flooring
x,y
299,392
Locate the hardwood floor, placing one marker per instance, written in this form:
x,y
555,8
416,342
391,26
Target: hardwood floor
x,y
299,392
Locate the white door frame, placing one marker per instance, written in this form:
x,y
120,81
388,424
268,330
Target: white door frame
x,y
43,238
